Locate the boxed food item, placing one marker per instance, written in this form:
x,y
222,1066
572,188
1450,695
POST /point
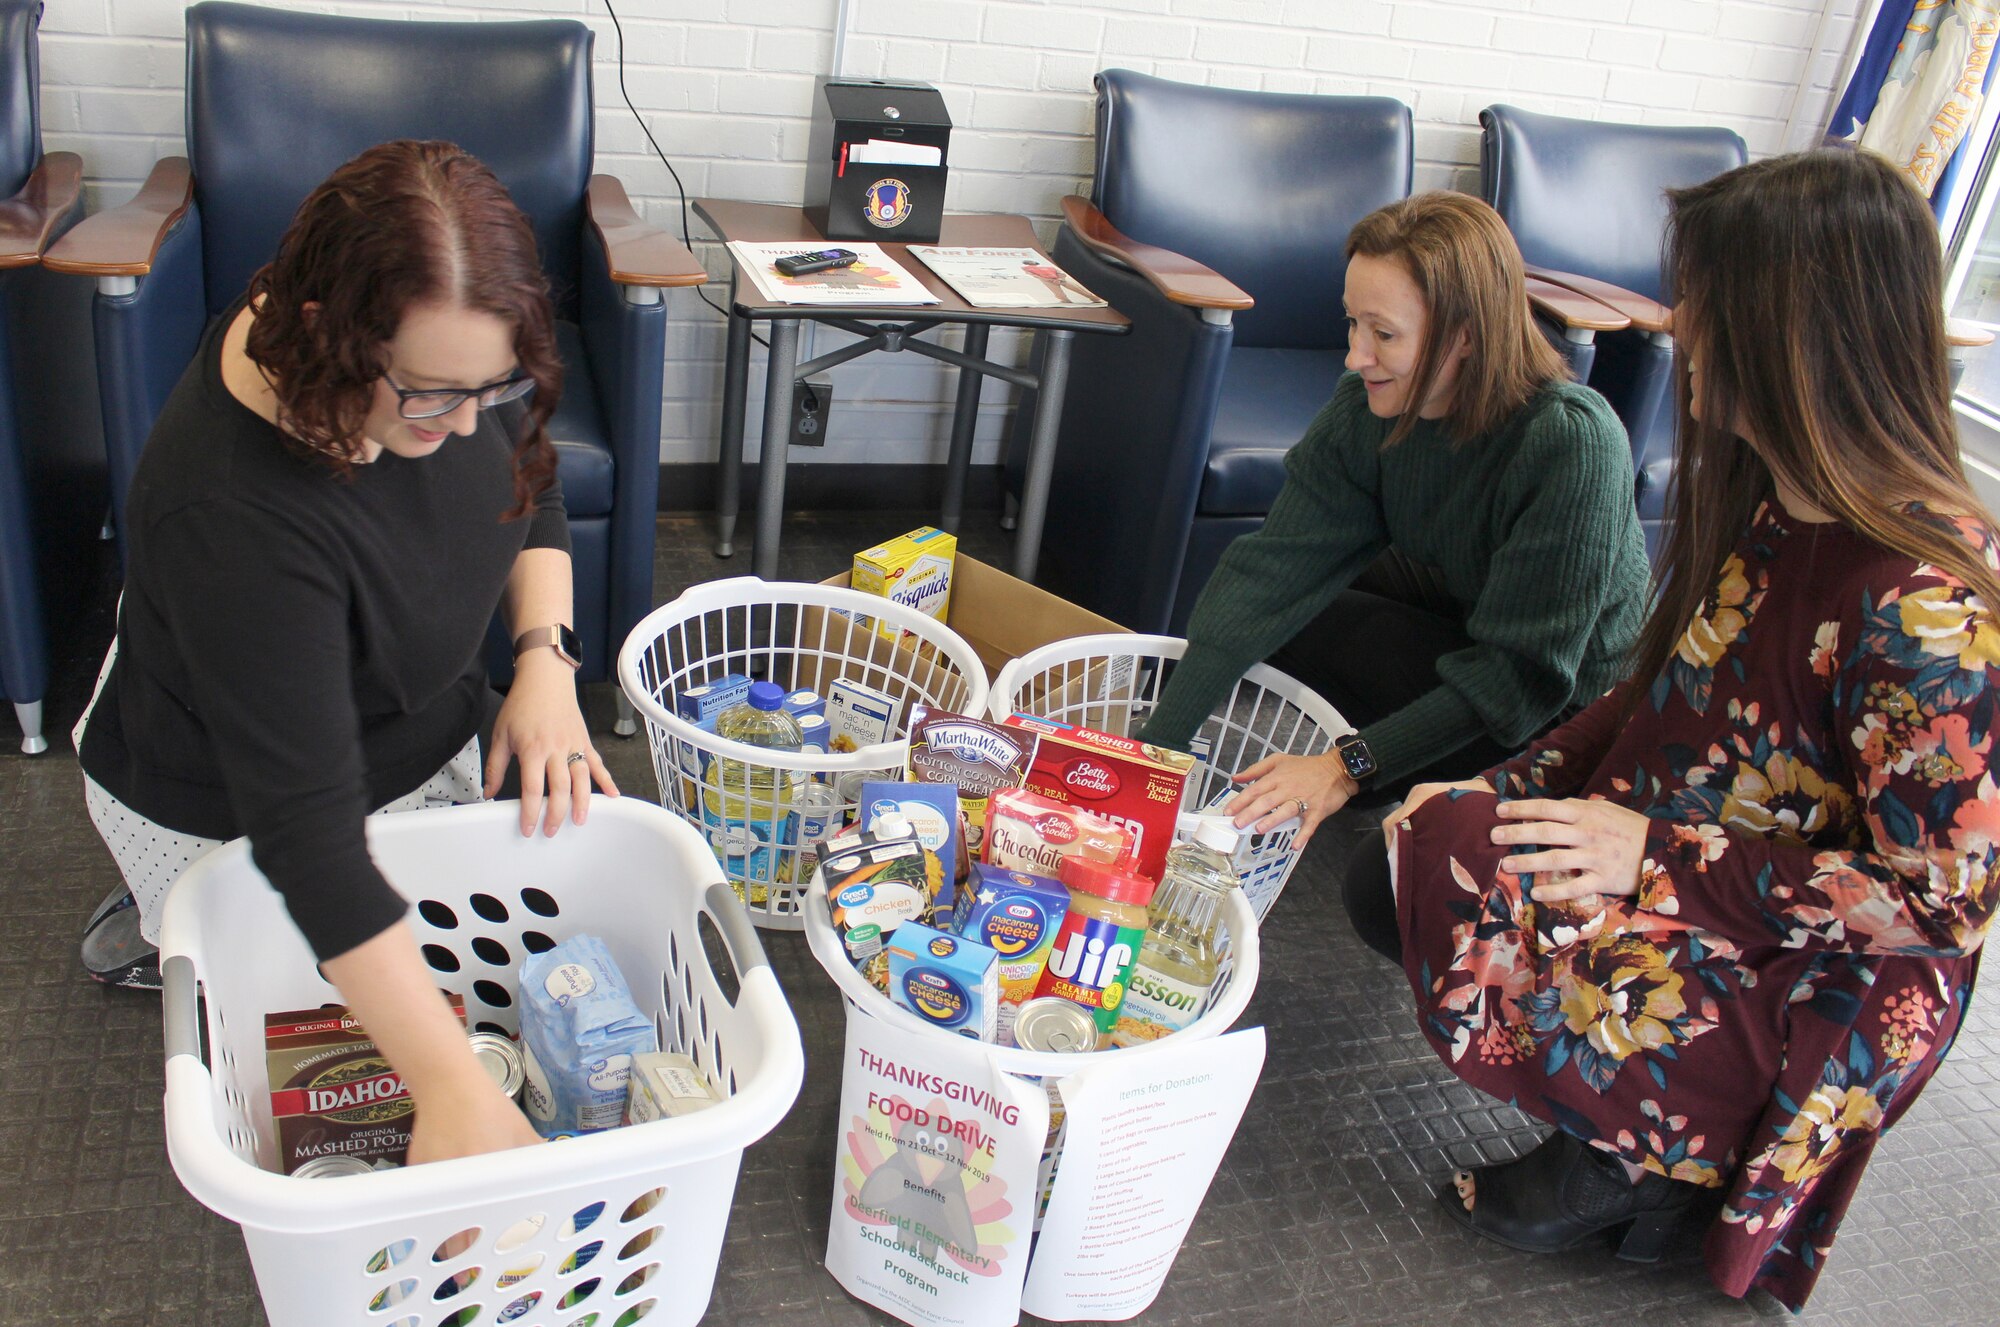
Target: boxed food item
x,y
858,715
700,704
664,1085
1028,832
805,701
876,881
974,756
913,570
1135,784
932,810
947,980
333,1093
1016,915
580,1030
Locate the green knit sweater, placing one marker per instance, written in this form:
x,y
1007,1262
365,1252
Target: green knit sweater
x,y
1532,528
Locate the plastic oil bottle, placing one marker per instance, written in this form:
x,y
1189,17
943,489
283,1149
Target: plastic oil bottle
x,y
1177,963
748,808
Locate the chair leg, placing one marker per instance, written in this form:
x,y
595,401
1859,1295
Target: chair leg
x,y
30,714
1010,511
627,722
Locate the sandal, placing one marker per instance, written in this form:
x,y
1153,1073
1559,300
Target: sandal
x,y
1564,1192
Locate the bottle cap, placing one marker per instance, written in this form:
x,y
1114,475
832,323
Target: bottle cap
x,y
766,696
891,825
1107,882
1217,833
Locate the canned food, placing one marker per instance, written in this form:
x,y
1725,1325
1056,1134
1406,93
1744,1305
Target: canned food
x,y
1052,1023
326,1168
501,1058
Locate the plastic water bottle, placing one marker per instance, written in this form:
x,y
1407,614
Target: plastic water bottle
x,y
1177,964
747,807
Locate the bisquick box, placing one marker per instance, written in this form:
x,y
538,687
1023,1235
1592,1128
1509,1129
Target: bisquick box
x,y
1134,784
1016,915
333,1093
913,570
949,981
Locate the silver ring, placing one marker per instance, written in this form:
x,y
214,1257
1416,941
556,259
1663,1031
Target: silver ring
x,y
574,756
1303,808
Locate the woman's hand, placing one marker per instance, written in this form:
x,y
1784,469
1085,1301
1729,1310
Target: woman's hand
x,y
1597,844
540,725
1281,787
467,1118
1422,793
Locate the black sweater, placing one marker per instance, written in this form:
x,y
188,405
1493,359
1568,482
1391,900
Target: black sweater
x,y
295,648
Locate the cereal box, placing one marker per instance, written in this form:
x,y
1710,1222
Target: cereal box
x,y
1134,784
913,569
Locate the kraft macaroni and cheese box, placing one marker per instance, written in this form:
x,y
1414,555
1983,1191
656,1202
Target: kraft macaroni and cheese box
x,y
913,569
947,980
932,810
1015,914
699,705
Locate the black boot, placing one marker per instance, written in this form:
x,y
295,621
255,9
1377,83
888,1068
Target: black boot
x,y
1564,1192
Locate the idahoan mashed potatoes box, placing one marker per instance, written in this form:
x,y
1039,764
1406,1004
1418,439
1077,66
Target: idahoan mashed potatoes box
x,y
1136,785
912,569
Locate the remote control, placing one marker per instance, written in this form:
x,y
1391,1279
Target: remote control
x,y
802,264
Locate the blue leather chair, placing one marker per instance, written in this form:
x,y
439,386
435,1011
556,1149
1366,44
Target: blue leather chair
x,y
51,473
275,101
1587,204
1217,228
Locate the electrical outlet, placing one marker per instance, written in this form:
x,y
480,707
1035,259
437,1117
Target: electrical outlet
x,y
812,408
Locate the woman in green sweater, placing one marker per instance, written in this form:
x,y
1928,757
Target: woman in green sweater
x,y
1454,561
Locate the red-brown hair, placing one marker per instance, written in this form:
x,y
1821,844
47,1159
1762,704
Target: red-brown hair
x,y
1468,269
402,224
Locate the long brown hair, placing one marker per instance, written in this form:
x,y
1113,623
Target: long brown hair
x,y
1468,268
1810,295
401,224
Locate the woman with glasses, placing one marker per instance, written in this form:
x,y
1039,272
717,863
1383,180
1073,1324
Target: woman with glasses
x,y
335,499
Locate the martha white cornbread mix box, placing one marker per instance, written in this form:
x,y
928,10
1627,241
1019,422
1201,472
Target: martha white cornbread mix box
x,y
913,570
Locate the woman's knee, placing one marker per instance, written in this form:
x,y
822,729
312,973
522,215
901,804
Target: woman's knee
x,y
1371,903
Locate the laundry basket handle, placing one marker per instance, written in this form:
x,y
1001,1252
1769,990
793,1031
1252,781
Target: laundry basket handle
x,y
181,1007
746,952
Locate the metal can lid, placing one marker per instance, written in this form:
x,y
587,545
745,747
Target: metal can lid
x,y
323,1168
1052,1023
501,1058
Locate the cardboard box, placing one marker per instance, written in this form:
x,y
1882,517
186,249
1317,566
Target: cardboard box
x,y
1002,618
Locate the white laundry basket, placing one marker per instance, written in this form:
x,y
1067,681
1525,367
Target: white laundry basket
x,y
800,635
1112,683
623,1226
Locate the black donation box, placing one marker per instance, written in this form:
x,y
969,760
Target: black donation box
x,y
876,164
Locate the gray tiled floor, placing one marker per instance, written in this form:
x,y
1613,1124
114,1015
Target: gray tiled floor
x,y
1321,1213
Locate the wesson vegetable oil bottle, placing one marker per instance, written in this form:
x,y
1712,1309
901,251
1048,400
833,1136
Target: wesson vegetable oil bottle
x,y
746,807
1171,983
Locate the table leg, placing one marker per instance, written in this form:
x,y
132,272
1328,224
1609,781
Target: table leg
x,y
778,388
1042,451
964,421
735,388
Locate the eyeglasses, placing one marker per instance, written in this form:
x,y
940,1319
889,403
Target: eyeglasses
x,y
430,403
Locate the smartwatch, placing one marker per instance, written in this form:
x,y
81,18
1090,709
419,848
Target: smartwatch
x,y
558,638
1357,758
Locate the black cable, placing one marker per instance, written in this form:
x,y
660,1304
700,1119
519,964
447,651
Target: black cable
x,y
686,237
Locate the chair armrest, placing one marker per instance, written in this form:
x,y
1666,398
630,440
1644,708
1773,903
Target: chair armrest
x,y
1571,310
1180,279
28,220
639,254
1963,333
124,240
1646,315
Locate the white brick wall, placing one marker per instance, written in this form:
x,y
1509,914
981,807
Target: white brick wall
x,y
725,86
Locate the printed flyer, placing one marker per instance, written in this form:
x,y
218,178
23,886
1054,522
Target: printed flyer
x,y
1146,1131
934,1178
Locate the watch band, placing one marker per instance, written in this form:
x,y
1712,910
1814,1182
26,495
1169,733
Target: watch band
x,y
559,638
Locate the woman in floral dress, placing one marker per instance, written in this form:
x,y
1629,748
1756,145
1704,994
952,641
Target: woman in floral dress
x,y
1721,927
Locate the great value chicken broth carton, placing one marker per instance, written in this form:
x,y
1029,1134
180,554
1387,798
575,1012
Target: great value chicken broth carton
x,y
912,569
1135,785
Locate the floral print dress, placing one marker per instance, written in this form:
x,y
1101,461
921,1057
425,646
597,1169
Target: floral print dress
x,y
1817,762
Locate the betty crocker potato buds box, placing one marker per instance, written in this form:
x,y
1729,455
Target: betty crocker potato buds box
x,y
1135,785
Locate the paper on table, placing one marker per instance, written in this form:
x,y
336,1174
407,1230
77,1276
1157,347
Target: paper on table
x,y
934,1177
1146,1131
1018,278
881,152
875,277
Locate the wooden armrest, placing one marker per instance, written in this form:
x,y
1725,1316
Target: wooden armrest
x,y
1963,332
27,218
1646,315
125,240
1180,279
638,254
1573,310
